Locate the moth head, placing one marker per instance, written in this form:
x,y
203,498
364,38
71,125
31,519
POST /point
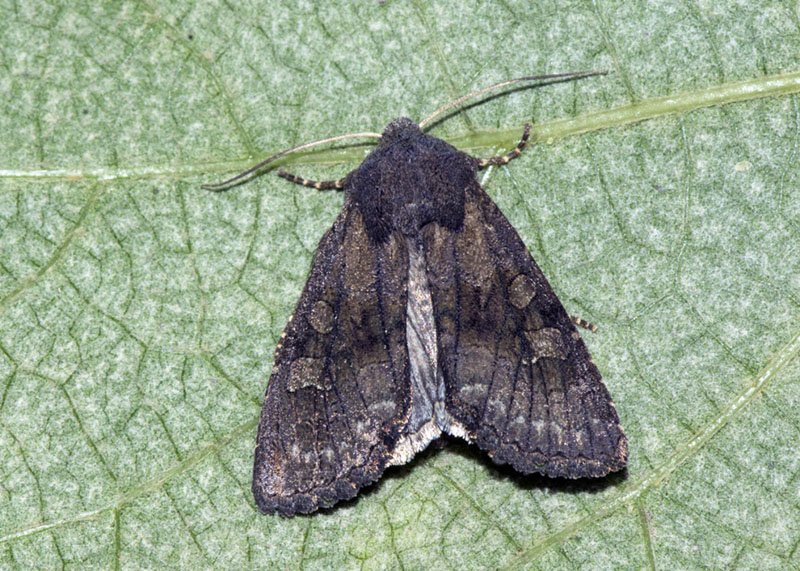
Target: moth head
x,y
401,128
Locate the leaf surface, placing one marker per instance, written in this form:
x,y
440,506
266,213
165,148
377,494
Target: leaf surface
x,y
139,313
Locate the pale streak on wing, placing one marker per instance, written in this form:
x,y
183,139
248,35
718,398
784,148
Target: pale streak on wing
x,y
428,415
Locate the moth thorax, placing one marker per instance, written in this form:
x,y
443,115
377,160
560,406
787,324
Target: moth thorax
x,y
412,216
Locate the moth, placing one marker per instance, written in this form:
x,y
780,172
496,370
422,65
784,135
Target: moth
x,y
423,314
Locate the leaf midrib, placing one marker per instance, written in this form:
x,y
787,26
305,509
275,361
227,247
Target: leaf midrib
x,y
643,110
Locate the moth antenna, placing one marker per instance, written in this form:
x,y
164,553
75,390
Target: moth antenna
x,y
460,100
226,183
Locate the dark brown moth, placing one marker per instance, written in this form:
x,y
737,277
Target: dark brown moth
x,y
424,313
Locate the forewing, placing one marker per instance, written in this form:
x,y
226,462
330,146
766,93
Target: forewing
x,y
338,396
519,380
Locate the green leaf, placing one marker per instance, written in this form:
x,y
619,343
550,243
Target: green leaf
x,y
139,313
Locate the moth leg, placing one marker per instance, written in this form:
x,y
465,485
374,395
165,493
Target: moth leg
x,y
318,184
517,151
583,323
